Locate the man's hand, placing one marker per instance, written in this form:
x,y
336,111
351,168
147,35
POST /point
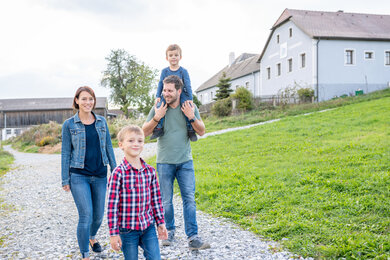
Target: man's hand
x,y
116,243
188,109
159,112
162,232
66,188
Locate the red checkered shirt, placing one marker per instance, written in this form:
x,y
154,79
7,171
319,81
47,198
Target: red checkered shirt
x,y
134,199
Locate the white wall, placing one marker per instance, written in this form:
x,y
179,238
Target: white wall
x,y
287,48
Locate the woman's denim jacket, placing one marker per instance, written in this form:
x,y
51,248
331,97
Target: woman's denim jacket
x,y
74,144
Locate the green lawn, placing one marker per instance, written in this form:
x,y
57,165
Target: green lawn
x,y
6,159
321,181
267,112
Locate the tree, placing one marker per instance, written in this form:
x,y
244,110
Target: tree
x,y
196,101
224,89
131,81
244,97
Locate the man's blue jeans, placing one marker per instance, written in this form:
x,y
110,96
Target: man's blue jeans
x,y
185,175
146,239
89,194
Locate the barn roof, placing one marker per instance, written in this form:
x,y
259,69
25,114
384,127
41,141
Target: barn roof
x,y
34,104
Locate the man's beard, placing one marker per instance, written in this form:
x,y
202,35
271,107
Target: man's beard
x,y
173,100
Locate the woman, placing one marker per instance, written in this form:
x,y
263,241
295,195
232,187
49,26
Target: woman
x,y
86,151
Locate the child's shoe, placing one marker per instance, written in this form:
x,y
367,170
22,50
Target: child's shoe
x,y
192,135
157,132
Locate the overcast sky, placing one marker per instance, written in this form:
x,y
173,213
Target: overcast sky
x,y
48,48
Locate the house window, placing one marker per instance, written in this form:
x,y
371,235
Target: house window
x,y
289,65
247,84
277,38
212,95
387,58
268,73
290,32
201,98
279,69
303,60
368,55
349,59
8,131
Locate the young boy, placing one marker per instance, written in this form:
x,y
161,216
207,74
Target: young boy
x,y
134,200
173,56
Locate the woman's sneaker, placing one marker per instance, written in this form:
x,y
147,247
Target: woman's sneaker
x,y
198,244
171,238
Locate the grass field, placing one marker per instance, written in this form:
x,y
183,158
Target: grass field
x,y
6,159
319,184
267,112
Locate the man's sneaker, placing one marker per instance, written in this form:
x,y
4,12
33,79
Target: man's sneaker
x,y
192,135
157,132
198,244
171,238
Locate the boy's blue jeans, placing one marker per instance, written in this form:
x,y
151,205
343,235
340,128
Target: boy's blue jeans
x,y
161,122
146,239
89,193
185,175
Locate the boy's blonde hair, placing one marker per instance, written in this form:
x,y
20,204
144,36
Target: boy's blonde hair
x,y
173,47
129,129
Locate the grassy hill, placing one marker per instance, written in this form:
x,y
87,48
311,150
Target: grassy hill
x,y
317,183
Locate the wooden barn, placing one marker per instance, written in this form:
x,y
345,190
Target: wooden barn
x,y
18,114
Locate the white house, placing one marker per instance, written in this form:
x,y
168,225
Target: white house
x,y
335,53
243,71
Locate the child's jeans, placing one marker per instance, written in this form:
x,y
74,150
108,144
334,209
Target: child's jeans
x,y
162,102
146,239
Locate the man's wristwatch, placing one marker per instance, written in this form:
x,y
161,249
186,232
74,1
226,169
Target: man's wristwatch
x,y
192,120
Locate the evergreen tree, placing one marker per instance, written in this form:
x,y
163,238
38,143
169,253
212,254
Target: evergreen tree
x,y
224,89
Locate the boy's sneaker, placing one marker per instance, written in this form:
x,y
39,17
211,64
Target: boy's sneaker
x,y
192,135
157,132
171,238
198,244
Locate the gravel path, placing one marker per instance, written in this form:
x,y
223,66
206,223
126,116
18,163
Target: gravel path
x,y
43,218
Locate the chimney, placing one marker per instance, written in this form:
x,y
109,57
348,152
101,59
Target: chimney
x,y
231,58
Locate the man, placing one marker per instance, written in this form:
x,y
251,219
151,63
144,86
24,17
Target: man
x,y
174,158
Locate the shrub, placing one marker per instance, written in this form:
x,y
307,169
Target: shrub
x,y
46,140
244,97
35,134
222,107
287,95
305,94
115,125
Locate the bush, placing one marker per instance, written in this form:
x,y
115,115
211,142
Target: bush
x,y
287,95
46,140
51,132
222,107
305,94
244,97
115,125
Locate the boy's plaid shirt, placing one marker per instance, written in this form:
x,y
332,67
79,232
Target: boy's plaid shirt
x,y
134,198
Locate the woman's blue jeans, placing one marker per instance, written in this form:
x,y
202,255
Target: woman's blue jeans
x,y
185,175
146,239
89,193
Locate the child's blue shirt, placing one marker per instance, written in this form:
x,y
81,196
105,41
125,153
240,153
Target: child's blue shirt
x,y
182,73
